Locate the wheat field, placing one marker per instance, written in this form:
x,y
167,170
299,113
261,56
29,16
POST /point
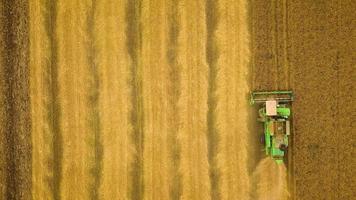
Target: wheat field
x,y
127,100
149,99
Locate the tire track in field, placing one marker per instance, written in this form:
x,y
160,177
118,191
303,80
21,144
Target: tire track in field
x,y
289,84
275,41
134,45
287,70
53,106
283,83
93,104
212,55
280,40
174,96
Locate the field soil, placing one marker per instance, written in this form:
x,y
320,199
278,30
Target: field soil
x,y
148,99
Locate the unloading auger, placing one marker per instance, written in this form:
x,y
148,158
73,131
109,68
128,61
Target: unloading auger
x,y
275,113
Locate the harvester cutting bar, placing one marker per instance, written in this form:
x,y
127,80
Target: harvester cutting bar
x,y
280,96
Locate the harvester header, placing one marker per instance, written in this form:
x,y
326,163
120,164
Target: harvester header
x,y
263,96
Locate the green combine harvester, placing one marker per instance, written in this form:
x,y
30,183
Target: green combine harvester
x,y
275,113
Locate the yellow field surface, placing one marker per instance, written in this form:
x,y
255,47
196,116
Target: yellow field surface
x,y
129,100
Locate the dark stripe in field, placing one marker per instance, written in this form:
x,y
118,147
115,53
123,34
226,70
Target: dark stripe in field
x,y
53,105
133,45
174,95
93,104
212,54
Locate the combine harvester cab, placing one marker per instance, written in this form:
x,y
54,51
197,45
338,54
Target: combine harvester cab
x,y
275,113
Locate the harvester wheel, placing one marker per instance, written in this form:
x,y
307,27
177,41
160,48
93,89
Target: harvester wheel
x,y
283,147
262,139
